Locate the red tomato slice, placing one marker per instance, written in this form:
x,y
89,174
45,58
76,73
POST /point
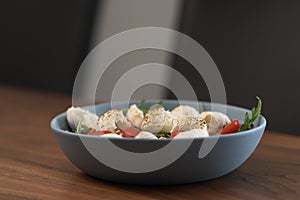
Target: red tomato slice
x,y
95,132
173,134
106,132
130,132
233,127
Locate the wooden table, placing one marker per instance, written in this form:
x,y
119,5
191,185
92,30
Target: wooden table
x,y
34,167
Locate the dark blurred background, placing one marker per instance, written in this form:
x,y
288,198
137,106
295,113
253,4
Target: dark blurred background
x,y
255,45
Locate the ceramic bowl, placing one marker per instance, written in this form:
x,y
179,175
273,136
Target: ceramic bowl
x,y
178,162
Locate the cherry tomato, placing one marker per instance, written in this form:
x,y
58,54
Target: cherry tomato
x,y
106,132
173,134
95,132
233,127
130,132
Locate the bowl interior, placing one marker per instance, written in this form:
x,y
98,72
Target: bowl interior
x,y
233,112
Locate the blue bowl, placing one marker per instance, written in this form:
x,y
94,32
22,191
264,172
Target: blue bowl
x,y
198,159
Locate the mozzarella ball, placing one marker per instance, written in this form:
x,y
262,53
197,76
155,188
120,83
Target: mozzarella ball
x,y
113,120
158,120
189,123
193,133
135,115
146,135
87,119
184,111
111,135
216,121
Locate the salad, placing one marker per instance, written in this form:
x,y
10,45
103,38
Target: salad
x,y
158,123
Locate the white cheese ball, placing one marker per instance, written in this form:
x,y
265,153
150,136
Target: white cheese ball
x,y
169,122
87,119
135,115
216,121
158,120
111,135
189,123
113,120
185,111
192,133
146,135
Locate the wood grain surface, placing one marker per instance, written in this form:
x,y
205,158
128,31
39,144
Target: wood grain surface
x,y
32,166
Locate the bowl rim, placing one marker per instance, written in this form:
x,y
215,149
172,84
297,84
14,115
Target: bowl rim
x,y
262,121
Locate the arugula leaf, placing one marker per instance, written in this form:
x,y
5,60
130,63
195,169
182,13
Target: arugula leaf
x,y
140,104
155,106
162,134
145,110
79,129
160,102
201,107
124,110
255,112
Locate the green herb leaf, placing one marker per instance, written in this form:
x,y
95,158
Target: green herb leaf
x,y
160,102
140,104
155,106
201,107
145,110
162,134
124,110
255,112
80,129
